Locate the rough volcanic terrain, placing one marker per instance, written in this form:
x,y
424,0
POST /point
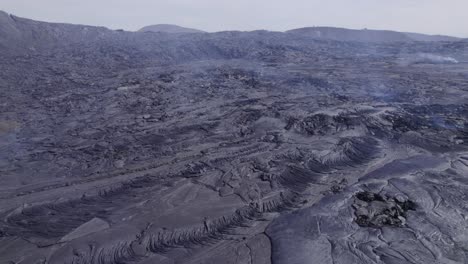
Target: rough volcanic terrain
x,y
230,147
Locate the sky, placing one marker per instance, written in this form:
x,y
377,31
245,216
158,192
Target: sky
x,y
448,17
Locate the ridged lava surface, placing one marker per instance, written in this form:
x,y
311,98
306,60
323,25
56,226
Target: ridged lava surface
x,y
233,147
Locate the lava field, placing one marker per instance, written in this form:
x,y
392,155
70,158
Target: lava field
x,y
231,147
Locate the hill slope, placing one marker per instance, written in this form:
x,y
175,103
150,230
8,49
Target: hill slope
x,y
365,35
166,28
424,37
18,33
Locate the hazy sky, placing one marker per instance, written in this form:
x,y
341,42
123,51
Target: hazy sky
x,y
426,16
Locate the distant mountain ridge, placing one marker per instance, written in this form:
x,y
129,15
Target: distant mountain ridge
x,y
167,28
366,35
18,35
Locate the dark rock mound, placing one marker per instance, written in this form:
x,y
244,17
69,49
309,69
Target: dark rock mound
x,y
323,124
375,210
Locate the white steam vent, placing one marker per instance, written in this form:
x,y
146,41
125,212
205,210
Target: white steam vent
x,y
432,58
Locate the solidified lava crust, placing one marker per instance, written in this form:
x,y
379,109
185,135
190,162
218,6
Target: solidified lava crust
x,y
230,147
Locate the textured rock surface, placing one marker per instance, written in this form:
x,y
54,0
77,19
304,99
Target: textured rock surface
x,y
93,226
232,147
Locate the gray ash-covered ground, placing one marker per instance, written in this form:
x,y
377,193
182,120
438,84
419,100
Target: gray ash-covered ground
x,y
232,147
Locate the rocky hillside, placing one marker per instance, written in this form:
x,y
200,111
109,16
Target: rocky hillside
x,y
20,33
